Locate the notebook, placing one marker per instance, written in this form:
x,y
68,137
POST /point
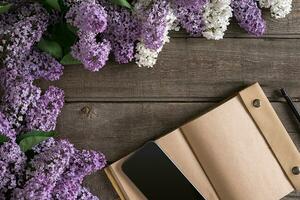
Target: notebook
x,y
238,150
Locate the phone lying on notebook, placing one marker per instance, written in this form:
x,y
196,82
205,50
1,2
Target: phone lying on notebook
x,y
157,177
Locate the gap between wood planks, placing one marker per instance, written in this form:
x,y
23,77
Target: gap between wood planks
x,y
159,100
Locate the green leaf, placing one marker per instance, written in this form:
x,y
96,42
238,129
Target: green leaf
x,y
64,8
29,140
5,7
54,4
3,139
51,47
123,3
72,28
68,59
36,133
62,34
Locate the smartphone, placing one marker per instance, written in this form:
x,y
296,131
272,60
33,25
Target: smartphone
x,y
157,177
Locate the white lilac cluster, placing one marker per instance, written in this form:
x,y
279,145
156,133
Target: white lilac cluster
x,y
216,16
147,57
279,8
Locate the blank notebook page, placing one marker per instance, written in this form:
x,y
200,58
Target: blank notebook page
x,y
234,154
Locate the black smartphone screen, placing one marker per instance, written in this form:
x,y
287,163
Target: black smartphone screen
x,y
156,176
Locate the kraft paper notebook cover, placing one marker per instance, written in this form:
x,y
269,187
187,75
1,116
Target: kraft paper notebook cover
x,y
235,151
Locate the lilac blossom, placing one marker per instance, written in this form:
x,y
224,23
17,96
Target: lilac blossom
x,y
152,17
88,17
91,19
42,65
11,77
8,19
44,145
6,127
82,164
146,57
34,66
16,101
43,114
74,2
216,17
23,27
12,165
69,189
91,53
20,93
190,15
249,16
55,172
17,39
46,168
85,194
122,32
279,9
24,107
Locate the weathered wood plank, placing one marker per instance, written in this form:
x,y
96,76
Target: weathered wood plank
x,y
189,70
119,128
192,69
292,196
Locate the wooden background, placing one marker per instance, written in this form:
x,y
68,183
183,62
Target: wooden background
x,y
119,108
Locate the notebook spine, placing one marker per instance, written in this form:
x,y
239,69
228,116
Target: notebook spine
x,y
109,174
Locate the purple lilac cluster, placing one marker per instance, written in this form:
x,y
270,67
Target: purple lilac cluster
x,y
152,18
34,66
249,16
43,115
82,163
70,170
21,64
6,127
85,194
42,65
12,166
104,27
91,19
27,109
55,172
88,17
93,55
18,97
44,170
20,30
122,32
190,15
24,107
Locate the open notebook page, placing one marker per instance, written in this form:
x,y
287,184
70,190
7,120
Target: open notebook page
x,y
234,154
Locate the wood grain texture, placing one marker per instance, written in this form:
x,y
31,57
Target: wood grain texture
x,y
120,108
119,128
192,69
195,69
